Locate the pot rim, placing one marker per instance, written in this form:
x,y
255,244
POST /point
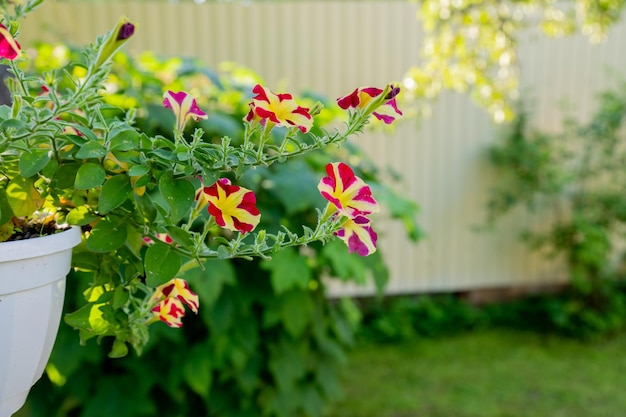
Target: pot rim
x,y
40,246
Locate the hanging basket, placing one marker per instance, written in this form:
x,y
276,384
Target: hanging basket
x,y
32,288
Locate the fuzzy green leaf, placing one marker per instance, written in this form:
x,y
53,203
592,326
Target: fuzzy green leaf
x,y
161,264
119,349
23,198
80,216
89,175
33,161
296,311
287,270
91,150
197,370
107,235
125,140
178,194
114,192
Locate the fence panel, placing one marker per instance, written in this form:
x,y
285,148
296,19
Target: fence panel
x,y
332,47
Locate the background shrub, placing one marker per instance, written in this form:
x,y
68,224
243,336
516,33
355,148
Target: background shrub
x,y
267,341
575,180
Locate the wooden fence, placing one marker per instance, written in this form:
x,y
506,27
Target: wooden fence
x,y
334,46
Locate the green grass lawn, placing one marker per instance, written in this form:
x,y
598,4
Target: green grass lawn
x,y
488,373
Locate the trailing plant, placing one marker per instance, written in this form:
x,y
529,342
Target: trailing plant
x,y
153,207
575,182
266,340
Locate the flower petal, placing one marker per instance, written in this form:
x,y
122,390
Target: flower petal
x,y
280,109
233,207
347,192
178,288
184,107
9,48
170,311
359,236
388,112
360,98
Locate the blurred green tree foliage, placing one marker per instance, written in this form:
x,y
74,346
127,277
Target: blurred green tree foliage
x,y
471,45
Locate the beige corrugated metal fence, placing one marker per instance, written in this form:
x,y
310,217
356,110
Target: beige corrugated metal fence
x,y
332,47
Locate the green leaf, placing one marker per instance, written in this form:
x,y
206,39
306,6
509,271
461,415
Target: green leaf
x,y
287,270
138,170
87,261
5,112
91,150
161,264
178,194
107,235
197,370
119,349
145,207
80,216
125,140
114,192
79,319
12,123
296,311
180,236
312,402
286,363
89,175
347,266
120,297
50,169
33,161
65,176
88,319
22,196
86,132
6,213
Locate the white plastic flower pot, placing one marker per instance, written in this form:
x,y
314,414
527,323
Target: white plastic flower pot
x,y
32,288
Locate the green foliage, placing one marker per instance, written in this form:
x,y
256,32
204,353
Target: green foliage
x,y
86,139
406,318
568,313
576,180
266,341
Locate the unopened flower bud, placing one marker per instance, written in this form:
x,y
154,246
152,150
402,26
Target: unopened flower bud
x,y
114,40
17,106
125,31
316,109
393,92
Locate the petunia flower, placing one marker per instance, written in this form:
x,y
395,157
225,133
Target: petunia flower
x,y
362,97
357,233
184,107
280,109
347,192
9,48
179,289
170,311
233,207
